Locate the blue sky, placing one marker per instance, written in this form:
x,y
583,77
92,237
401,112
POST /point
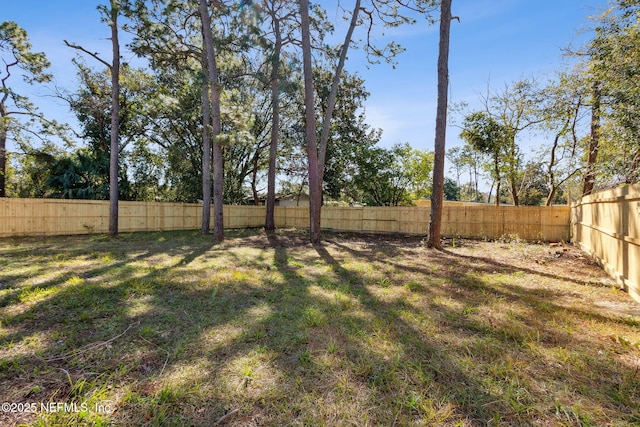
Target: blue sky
x,y
496,42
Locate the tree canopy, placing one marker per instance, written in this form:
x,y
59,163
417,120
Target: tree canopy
x,y
18,57
273,136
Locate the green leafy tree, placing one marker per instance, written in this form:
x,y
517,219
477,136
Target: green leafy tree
x,y
534,187
178,39
81,175
614,71
31,171
17,57
350,135
281,15
508,115
418,166
517,109
209,46
362,14
451,190
93,108
564,116
213,89
391,177
381,180
110,15
145,166
245,138
168,35
487,136
466,159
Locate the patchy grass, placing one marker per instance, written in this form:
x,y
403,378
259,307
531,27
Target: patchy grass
x,y
167,329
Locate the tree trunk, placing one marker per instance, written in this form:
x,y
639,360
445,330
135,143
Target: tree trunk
x,y
476,195
490,192
316,153
115,121
206,150
254,185
3,141
496,170
594,144
333,94
3,152
441,127
551,177
3,161
514,191
269,222
218,175
551,195
512,164
315,184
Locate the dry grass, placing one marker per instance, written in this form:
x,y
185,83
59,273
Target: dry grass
x,y
166,329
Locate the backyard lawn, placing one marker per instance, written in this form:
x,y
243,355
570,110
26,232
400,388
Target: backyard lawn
x,y
167,329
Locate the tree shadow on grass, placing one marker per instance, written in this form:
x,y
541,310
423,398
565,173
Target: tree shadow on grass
x,y
284,333
66,335
534,322
446,384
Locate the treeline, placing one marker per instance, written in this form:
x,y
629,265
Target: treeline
x,y
585,122
237,110
160,118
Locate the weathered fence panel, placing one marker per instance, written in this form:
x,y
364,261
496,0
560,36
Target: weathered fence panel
x,y
607,226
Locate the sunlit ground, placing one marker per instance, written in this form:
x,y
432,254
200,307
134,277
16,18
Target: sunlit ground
x,y
167,329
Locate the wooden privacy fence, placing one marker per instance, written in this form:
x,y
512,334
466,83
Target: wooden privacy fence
x,y
607,226
20,217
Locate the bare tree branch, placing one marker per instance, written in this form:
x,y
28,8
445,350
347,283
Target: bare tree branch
x,y
92,54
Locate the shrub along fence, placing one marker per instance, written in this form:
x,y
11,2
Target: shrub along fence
x,y
607,226
20,217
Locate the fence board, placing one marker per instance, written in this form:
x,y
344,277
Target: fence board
x,y
295,216
55,216
607,226
243,216
413,220
554,224
380,219
341,219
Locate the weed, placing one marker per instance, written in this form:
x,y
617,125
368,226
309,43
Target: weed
x,y
332,346
313,317
292,262
384,282
412,286
510,238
